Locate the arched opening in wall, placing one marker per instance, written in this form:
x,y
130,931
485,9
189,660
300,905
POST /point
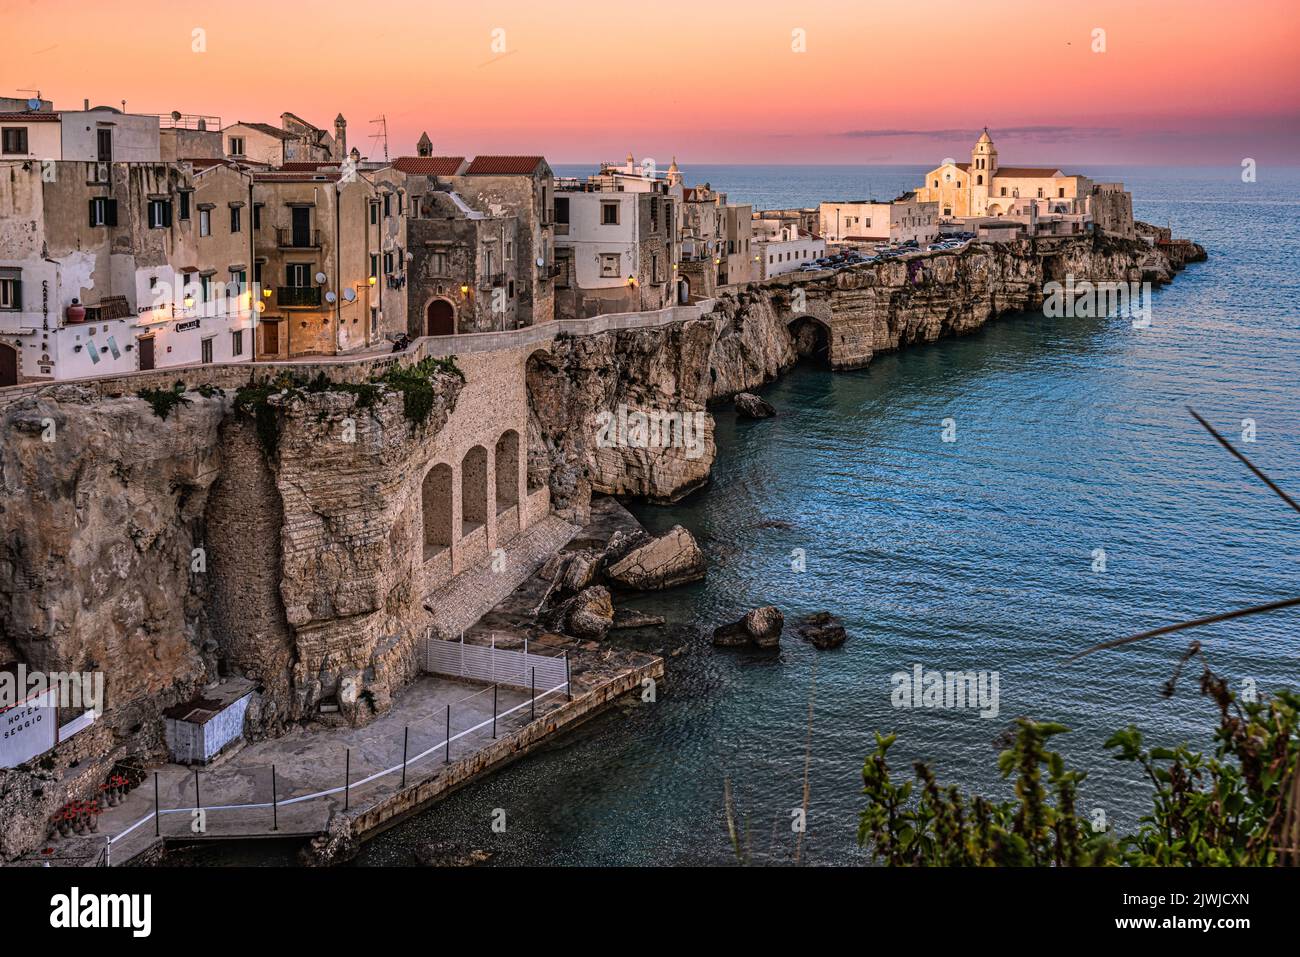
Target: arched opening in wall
x,y
473,490
440,318
8,365
548,403
811,339
435,504
979,180
507,469
683,291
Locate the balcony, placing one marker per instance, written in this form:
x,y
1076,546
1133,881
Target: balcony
x,y
297,238
493,281
298,297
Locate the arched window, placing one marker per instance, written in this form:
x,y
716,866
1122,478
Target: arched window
x,y
979,180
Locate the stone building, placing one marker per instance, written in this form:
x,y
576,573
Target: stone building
x,y
316,233
293,141
100,269
872,221
616,242
519,186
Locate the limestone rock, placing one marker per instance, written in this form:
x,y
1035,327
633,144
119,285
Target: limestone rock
x,y
760,628
750,406
822,629
672,559
589,614
625,619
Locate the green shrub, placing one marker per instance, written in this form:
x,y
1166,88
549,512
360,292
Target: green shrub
x,y
163,401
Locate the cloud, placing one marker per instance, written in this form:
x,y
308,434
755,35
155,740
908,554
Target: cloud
x,y
1009,132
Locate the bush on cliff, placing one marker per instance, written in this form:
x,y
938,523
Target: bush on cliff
x,y
1238,807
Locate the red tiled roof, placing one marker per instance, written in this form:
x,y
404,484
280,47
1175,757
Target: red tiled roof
x,y
305,167
504,165
1027,171
30,117
430,165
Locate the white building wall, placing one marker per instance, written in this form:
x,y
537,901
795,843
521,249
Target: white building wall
x,y
44,141
589,238
135,137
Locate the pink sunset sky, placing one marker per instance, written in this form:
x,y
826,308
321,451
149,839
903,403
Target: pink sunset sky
x,y
1194,82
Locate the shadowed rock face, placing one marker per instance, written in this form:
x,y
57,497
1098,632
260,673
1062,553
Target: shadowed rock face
x,y
98,527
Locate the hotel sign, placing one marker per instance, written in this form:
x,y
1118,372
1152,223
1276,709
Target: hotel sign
x,y
28,729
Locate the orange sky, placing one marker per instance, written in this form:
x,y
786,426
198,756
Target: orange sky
x,y
1181,81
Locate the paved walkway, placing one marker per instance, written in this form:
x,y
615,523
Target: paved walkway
x,y
311,761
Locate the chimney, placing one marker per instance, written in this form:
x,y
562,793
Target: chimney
x,y
86,104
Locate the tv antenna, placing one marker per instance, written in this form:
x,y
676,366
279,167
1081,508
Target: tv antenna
x,y
382,134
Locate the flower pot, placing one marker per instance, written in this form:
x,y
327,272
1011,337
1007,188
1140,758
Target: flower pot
x,y
76,312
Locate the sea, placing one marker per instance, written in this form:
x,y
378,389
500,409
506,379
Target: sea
x,y
1078,502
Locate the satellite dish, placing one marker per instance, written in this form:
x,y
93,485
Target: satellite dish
x,y
320,277
34,103
349,294
330,297
176,115
541,261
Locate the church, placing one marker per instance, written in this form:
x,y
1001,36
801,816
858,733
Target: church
x,y
983,187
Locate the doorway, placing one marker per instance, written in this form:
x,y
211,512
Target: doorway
x,y
146,353
441,319
8,365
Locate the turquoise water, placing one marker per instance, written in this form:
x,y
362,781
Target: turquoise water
x,y
976,555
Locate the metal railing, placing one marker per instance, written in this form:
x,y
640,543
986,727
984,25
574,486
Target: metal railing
x,y
289,238
297,296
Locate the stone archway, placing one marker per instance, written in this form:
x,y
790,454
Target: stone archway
x,y
440,318
473,490
811,338
507,470
436,504
8,365
683,291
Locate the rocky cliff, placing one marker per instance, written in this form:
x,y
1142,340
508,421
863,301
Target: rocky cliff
x,y
841,318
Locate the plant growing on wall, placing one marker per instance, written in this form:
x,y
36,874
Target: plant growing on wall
x,y
163,401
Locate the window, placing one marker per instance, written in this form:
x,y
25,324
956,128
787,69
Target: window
x,y
1040,192
185,204
236,146
104,144
11,293
160,213
979,180
374,264
1060,192
374,214
388,205
205,350
298,275
14,140
205,287
205,222
609,214
1004,191
562,209
439,263
237,342
936,184
103,211
234,219
388,263
257,215
609,263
